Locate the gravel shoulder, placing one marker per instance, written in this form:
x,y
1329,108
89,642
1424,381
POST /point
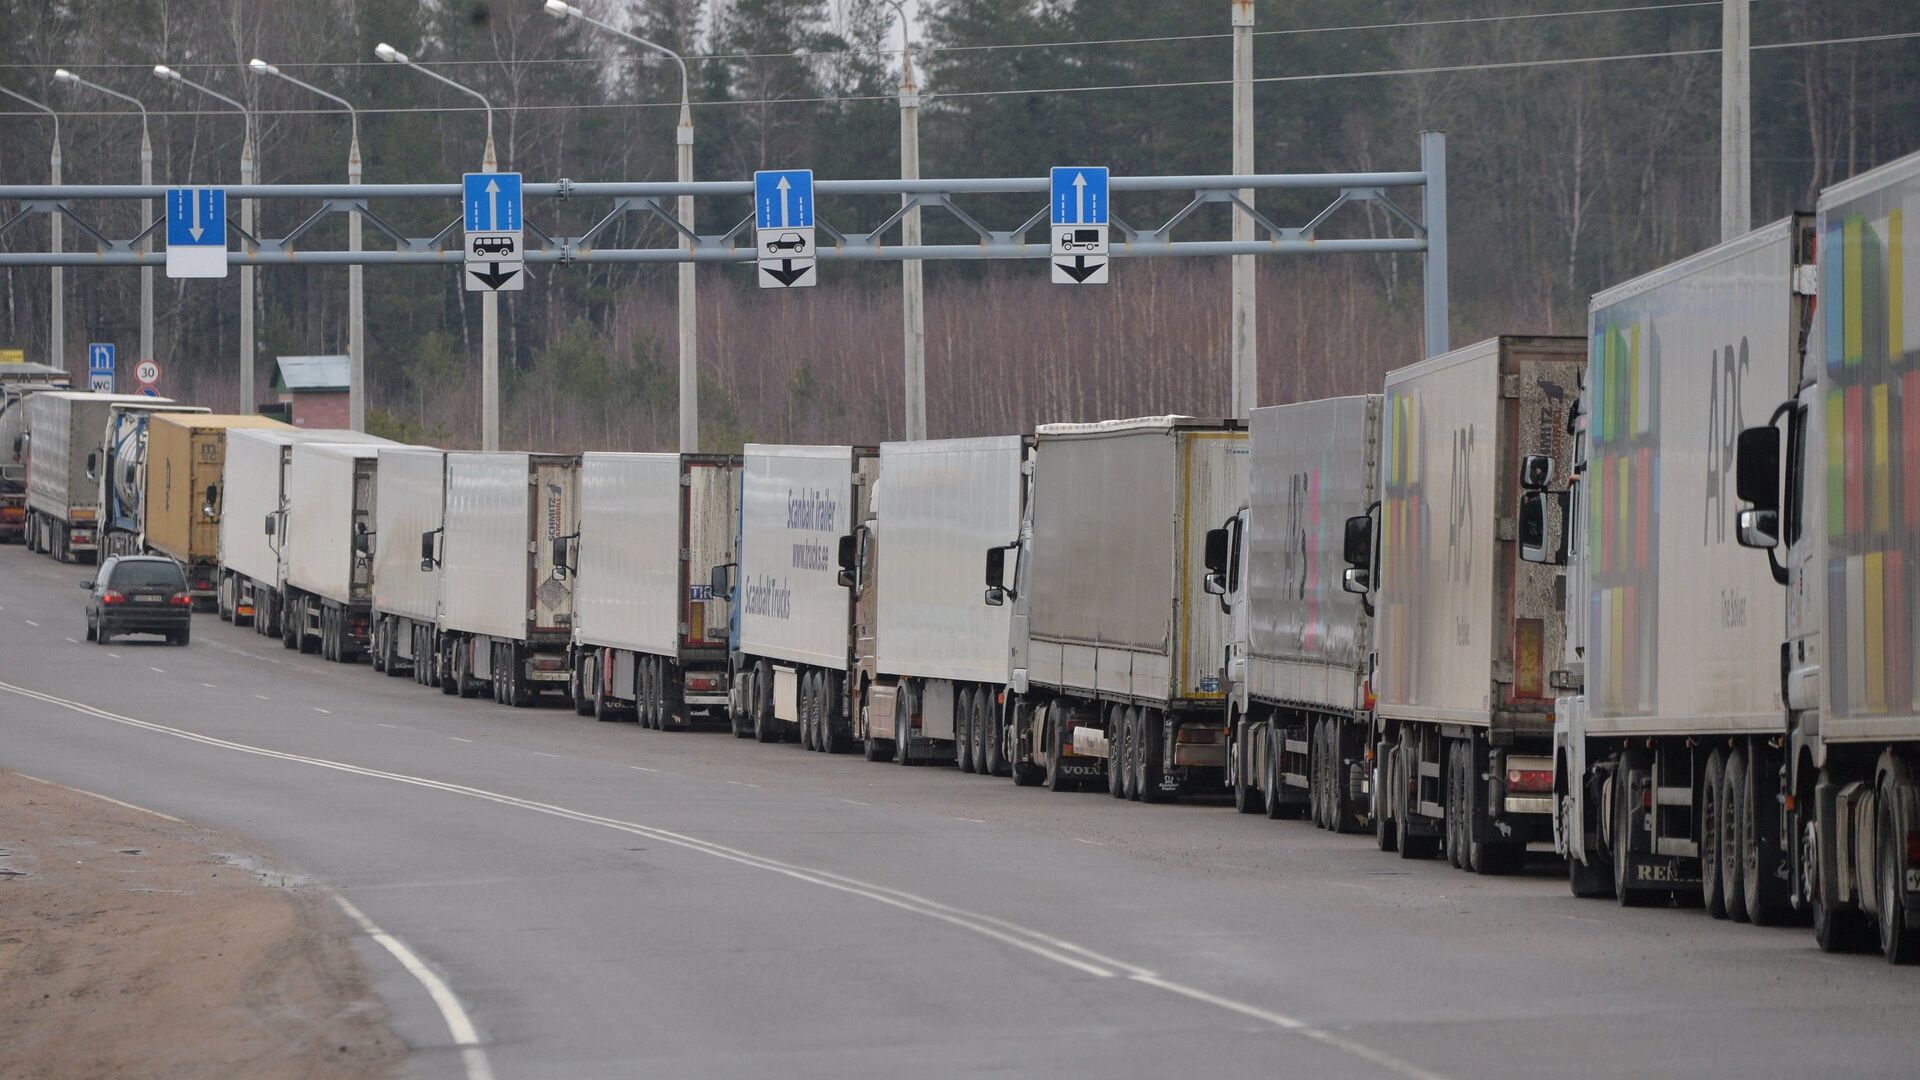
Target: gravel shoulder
x,y
136,945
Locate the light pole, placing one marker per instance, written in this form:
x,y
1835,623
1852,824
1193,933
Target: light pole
x,y
913,313
490,300
146,206
356,298
1736,121
247,403
689,307
1242,332
57,332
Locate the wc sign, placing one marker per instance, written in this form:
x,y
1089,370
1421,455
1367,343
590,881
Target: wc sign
x,y
100,367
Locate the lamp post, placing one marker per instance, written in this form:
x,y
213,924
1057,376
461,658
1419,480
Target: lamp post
x,y
1242,331
683,154
490,301
146,205
912,292
247,403
356,297
57,332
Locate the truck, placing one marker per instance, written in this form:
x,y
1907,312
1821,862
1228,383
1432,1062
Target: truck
x,y
410,491
16,386
326,542
794,639
649,634
66,430
1300,654
1116,643
1843,538
252,508
931,661
185,463
506,604
120,468
1666,746
1465,630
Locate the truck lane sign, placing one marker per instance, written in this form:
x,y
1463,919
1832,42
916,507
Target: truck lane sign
x,y
783,228
491,207
1078,213
196,232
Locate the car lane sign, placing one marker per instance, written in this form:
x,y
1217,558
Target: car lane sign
x,y
783,229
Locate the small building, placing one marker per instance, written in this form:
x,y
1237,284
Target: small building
x,y
311,391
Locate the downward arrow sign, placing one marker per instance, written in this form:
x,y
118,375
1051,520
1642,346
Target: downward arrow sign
x,y
493,278
1078,269
195,230
786,274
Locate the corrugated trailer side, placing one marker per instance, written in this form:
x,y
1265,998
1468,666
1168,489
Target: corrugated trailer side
x,y
409,501
627,591
186,461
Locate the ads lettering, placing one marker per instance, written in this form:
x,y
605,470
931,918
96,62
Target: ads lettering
x,y
1725,418
1294,559
812,511
1460,509
766,597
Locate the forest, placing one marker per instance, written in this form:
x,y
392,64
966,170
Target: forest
x,y
1583,150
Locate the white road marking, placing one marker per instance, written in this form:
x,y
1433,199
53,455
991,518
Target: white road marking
x,y
318,709
73,641
157,671
642,768
741,783
459,1024
394,726
263,697
543,753
33,624
103,798
856,802
1036,942
975,820
115,655
457,738
1095,843
209,686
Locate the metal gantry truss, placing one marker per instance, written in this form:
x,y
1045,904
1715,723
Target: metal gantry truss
x,y
1028,239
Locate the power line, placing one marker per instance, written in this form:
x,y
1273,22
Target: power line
x,y
1443,69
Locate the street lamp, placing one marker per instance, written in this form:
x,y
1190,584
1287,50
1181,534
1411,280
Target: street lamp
x,y
490,301
146,206
912,292
689,307
57,334
356,297
247,404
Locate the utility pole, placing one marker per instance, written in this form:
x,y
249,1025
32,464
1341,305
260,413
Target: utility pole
x,y
912,287
1736,120
57,332
146,205
1243,338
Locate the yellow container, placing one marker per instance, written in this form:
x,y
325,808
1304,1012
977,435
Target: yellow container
x,y
186,453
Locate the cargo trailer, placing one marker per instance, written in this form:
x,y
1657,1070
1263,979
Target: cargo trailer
x,y
1116,643
1465,631
931,662
506,604
649,634
1845,540
66,432
1666,730
1300,653
14,393
410,491
327,544
121,471
181,508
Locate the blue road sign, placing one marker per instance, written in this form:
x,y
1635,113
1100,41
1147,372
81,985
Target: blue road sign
x,y
100,358
783,198
196,217
1080,195
492,201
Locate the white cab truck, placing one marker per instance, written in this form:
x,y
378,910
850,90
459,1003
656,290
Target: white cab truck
x,y
1845,541
932,661
327,543
1116,643
66,430
120,468
1466,633
1667,730
649,635
1300,655
506,607
252,509
793,601
410,491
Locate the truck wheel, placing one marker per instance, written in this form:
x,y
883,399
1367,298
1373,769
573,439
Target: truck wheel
x,y
742,717
1025,773
1897,943
519,692
809,708
1410,845
1277,806
1130,754
1383,834
833,723
1152,752
449,663
1589,881
463,669
1712,799
996,731
1733,836
1450,805
582,697
1768,903
902,727
1117,720
1840,930
1341,804
765,728
1626,783
1056,776
1238,740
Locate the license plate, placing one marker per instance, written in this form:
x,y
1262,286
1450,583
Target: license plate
x,y
148,599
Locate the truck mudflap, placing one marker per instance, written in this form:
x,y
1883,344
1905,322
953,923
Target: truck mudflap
x,y
1661,873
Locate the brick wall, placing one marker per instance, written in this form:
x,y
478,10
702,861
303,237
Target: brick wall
x,y
320,410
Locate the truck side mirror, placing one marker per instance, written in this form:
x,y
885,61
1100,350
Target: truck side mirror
x,y
1216,551
1536,472
271,525
996,568
559,552
1757,467
361,544
720,581
1214,583
426,550
1357,546
1535,547
1357,579
211,508
1759,529
93,465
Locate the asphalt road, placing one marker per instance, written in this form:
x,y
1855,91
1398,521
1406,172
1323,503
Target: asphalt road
x,y
607,901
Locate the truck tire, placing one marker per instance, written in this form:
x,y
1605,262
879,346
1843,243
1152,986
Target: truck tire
x,y
1152,753
765,728
962,721
1240,739
809,711
742,717
1276,804
1342,813
1768,900
1733,837
1130,755
1025,772
1056,776
1626,776
979,729
1452,843
996,732
1383,834
1897,943
1589,881
902,726
1712,799
1117,720
577,684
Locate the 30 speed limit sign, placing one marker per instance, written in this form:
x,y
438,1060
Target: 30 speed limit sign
x,y
147,372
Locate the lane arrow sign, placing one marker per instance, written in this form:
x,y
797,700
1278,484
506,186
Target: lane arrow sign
x,y
493,205
785,217
195,230
493,278
785,273
1079,270
1079,197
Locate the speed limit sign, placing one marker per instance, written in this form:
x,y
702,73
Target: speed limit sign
x,y
147,372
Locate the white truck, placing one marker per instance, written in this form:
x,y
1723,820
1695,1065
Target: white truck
x,y
649,635
793,603
1300,654
66,430
506,606
1849,523
1116,643
932,661
1465,632
252,510
410,491
326,541
15,388
1666,732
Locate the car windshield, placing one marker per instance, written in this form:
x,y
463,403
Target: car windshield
x,y
148,575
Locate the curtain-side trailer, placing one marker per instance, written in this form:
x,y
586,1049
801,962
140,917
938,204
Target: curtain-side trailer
x,y
410,490
66,430
13,447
